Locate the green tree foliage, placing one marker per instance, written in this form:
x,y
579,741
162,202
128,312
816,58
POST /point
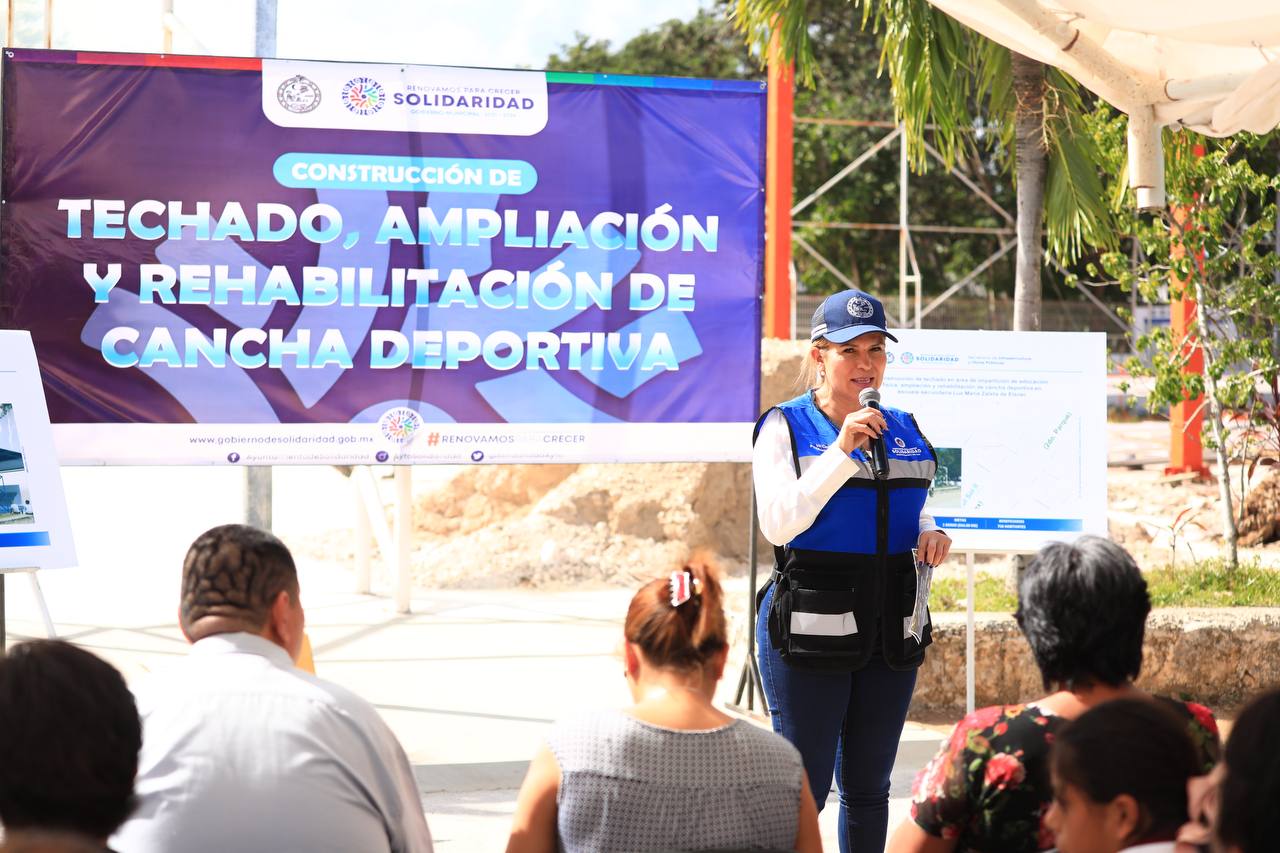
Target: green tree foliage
x,y
705,46
974,92
1215,244
848,86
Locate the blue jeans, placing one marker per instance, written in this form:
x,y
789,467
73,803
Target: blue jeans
x,y
848,723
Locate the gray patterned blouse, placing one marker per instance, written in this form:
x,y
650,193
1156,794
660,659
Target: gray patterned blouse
x,y
632,786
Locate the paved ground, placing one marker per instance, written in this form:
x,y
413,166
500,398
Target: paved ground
x,y
469,681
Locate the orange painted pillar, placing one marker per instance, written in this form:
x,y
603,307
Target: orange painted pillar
x,y
778,293
1186,455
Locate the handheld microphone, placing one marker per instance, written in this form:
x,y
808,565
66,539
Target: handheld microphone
x,y
879,459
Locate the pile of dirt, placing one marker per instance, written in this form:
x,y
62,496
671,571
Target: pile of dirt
x,y
550,525
1261,522
599,524
1155,516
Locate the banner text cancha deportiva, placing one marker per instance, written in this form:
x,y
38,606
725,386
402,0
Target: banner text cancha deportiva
x,y
548,289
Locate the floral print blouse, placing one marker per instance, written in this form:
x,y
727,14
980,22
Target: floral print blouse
x,y
988,786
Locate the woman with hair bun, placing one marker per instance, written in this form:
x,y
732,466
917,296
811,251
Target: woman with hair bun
x,y
670,772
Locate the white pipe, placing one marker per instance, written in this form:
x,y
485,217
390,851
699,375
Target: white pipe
x,y
404,536
969,675
902,224
1146,159
1205,88
44,606
173,24
265,29
376,510
1082,58
840,175
364,538
166,12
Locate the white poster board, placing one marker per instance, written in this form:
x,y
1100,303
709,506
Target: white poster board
x,y
35,531
1019,422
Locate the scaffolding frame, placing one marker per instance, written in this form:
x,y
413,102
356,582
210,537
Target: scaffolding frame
x,y
910,279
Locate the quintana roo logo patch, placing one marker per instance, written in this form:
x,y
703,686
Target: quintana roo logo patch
x,y
859,307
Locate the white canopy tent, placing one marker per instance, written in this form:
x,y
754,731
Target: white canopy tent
x,y
1213,67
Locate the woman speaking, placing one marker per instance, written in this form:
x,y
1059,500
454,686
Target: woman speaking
x,y
841,484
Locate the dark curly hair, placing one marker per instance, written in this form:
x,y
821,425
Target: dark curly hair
x,y
69,741
1083,608
236,572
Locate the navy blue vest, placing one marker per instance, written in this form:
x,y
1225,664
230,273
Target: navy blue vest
x,y
859,546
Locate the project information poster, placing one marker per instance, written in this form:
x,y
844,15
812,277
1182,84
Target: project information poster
x,y
243,261
35,531
1019,423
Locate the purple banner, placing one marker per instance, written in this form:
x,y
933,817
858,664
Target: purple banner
x,y
195,241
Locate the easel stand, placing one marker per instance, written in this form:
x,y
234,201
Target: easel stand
x,y
970,638
32,574
749,682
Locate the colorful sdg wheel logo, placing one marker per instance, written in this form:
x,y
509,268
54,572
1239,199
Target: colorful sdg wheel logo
x,y
363,95
400,424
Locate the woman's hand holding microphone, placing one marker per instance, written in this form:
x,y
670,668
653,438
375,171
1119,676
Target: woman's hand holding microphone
x,y
859,428
856,433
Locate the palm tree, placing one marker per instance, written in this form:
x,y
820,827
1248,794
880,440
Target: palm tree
x,y
973,92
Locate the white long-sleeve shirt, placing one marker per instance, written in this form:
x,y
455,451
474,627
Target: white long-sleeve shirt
x,y
243,751
786,504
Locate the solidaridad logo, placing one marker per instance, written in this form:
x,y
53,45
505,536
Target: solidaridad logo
x,y
400,424
298,94
363,95
906,358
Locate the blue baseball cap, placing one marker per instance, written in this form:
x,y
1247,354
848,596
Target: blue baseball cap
x,y
848,314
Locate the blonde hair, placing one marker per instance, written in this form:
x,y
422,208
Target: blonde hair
x,y
808,378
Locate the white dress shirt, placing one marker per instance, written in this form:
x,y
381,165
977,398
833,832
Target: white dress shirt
x,y
242,751
786,504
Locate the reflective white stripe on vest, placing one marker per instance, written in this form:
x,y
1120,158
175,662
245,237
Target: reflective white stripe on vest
x,y
823,624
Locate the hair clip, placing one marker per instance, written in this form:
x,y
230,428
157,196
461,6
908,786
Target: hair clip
x,y
683,587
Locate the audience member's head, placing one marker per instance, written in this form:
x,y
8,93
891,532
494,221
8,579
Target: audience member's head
x,y
1249,797
1083,608
240,578
1120,774
689,637
69,741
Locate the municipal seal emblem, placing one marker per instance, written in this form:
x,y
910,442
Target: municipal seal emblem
x,y
298,94
859,307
